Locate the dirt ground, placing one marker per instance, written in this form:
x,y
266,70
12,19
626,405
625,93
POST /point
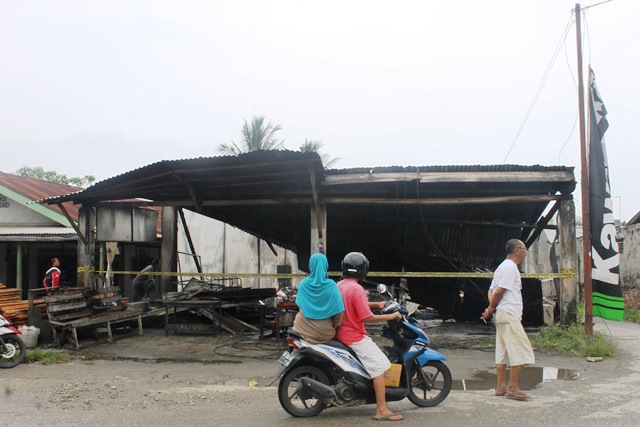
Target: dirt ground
x,y
185,380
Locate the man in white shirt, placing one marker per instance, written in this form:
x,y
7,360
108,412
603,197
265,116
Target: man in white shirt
x,y
512,343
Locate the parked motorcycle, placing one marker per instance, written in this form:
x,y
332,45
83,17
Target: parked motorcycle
x,y
11,346
316,376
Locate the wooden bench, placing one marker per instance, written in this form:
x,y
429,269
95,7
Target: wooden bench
x,y
71,309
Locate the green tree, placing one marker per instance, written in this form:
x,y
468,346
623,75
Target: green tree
x,y
52,176
257,135
311,146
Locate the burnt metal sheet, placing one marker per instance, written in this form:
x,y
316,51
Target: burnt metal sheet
x,y
126,224
266,193
420,218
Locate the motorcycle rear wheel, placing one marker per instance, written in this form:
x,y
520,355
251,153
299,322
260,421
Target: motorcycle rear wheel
x,y
293,398
14,352
429,384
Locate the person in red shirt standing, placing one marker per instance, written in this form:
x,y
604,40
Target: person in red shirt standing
x,y
52,276
351,332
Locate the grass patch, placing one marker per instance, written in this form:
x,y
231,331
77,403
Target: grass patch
x,y
632,315
485,342
46,356
572,339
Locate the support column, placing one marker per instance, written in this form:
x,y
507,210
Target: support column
x,y
568,298
319,236
168,262
86,247
19,266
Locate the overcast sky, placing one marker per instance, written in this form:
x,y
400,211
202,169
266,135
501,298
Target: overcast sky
x,y
103,87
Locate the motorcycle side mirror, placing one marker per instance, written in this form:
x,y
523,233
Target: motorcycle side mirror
x,y
382,288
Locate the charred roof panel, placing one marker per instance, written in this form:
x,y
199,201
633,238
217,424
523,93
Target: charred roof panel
x,y
423,217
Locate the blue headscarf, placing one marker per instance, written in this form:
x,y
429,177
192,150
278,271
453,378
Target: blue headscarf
x,y
318,296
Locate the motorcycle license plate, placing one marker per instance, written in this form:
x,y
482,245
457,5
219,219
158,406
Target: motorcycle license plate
x,y
286,358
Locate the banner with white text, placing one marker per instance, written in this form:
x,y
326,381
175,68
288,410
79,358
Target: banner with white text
x,y
608,301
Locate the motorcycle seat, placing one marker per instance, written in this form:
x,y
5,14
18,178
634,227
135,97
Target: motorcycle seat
x,y
339,344
334,342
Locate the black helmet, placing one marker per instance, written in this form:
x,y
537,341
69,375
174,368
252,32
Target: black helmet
x,y
355,264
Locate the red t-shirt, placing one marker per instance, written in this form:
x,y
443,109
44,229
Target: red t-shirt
x,y
356,308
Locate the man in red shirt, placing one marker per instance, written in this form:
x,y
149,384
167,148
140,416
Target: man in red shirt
x,y
351,332
52,276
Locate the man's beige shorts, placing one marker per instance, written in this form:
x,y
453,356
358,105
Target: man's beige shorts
x,y
512,344
372,358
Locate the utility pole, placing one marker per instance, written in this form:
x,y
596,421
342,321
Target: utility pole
x,y
584,186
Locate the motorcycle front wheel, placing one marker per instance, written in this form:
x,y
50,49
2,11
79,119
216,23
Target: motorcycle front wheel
x,y
294,399
13,353
429,384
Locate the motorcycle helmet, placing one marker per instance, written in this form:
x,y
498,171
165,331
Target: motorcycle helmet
x,y
355,264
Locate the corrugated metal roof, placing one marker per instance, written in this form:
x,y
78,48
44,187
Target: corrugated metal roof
x,y
35,189
422,218
449,168
19,231
266,193
258,174
635,219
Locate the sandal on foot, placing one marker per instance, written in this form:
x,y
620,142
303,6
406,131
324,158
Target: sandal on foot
x,y
389,417
516,395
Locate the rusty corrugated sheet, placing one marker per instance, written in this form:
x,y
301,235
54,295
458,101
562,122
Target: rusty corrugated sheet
x,y
36,189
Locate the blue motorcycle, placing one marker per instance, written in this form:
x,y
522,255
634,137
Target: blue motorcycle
x,y
317,376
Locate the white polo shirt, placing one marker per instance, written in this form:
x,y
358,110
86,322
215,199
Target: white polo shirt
x,y
507,276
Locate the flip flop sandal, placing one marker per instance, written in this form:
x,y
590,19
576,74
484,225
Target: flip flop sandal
x,y
516,396
388,417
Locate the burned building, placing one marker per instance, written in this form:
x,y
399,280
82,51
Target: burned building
x,y
448,222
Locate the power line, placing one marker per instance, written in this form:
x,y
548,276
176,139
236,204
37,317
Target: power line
x,y
541,85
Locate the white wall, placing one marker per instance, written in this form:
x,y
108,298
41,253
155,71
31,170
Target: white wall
x,y
17,215
630,258
226,249
541,256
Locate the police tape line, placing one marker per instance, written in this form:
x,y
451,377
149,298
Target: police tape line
x,y
565,274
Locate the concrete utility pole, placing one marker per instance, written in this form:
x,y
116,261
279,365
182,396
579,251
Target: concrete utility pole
x,y
584,185
568,298
86,247
169,247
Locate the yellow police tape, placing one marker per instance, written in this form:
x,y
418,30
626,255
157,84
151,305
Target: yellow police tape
x,y
565,274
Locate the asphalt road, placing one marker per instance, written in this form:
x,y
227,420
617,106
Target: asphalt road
x,y
231,392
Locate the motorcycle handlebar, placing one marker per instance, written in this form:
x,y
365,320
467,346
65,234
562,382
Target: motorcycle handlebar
x,y
392,306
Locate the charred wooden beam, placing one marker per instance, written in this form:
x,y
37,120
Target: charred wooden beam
x,y
189,240
354,201
192,193
72,222
444,177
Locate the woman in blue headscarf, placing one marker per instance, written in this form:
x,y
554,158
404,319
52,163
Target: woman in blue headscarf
x,y
320,303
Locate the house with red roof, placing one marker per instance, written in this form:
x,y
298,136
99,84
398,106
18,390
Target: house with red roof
x,y
31,233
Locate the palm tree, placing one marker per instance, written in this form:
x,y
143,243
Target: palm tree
x,y
311,146
256,135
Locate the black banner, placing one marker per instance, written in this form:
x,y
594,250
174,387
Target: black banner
x,y
608,301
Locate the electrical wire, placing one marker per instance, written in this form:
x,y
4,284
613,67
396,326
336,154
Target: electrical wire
x,y
541,85
438,250
575,84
